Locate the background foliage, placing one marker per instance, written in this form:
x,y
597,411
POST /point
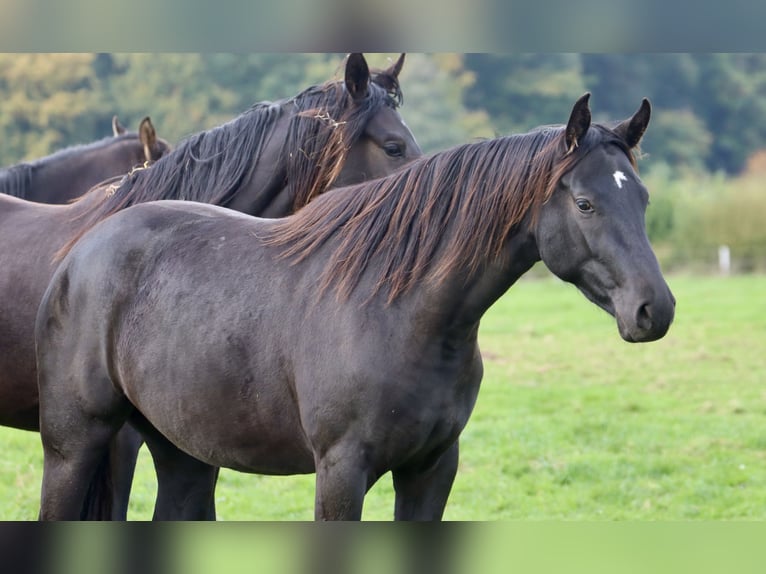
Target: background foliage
x,y
700,154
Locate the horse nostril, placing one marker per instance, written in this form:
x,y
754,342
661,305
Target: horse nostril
x,y
644,316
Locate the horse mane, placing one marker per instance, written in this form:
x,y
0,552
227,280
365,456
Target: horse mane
x,y
482,190
210,166
16,179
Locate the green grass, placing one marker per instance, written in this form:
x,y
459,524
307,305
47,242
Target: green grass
x,y
571,423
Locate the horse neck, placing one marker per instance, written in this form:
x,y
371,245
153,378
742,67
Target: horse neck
x,y
448,307
114,156
264,193
62,177
264,190
464,297
504,247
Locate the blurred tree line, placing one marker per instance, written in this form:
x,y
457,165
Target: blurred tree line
x,y
708,122
709,109
51,101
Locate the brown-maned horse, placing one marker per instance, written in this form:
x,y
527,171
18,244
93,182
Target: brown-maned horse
x,y
341,340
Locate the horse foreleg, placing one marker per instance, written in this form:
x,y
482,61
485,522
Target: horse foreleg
x,y
185,485
422,494
341,483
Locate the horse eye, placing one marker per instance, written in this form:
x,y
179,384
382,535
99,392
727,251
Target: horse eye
x,y
584,205
394,149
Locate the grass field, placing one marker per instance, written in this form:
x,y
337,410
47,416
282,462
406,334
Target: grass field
x,y
571,423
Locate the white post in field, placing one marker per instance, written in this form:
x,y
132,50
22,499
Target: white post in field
x,y
724,259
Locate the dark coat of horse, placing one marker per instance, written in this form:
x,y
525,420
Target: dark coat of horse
x,y
341,340
270,160
70,172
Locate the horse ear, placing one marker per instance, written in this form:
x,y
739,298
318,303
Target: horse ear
x,y
579,122
632,130
117,127
396,68
148,136
357,76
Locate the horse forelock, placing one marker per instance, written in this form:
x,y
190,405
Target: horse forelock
x,y
427,220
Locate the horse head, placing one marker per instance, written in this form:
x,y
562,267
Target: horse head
x,y
591,232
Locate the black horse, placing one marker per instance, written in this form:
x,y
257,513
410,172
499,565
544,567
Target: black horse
x,y
70,172
341,340
272,159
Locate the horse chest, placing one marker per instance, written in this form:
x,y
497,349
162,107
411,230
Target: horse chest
x,y
396,415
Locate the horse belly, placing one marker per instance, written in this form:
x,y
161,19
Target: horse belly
x,y
246,446
230,423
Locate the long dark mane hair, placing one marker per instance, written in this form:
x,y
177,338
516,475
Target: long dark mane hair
x,y
210,166
452,210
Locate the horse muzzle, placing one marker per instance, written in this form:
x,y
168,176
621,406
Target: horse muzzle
x,y
641,319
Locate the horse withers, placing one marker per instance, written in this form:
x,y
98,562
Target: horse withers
x,y
341,340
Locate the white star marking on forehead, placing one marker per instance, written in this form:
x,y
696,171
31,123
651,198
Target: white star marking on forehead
x,y
619,177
